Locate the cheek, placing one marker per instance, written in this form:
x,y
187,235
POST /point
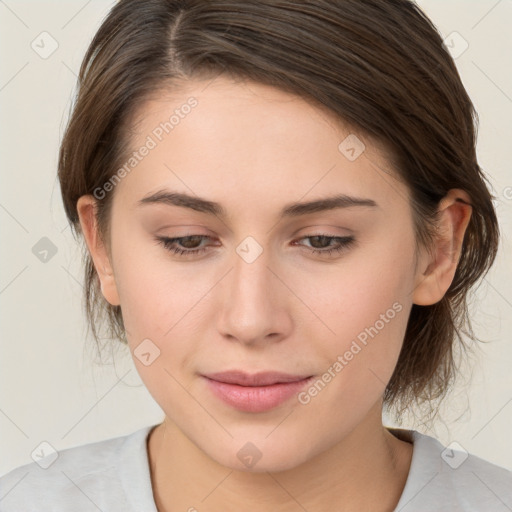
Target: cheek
x,y
153,294
365,304
157,308
164,302
359,360
373,281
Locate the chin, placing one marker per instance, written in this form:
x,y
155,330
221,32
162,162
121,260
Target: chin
x,y
261,455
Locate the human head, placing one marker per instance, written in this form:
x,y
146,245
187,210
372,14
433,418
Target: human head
x,y
380,67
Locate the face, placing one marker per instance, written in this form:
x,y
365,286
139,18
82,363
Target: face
x,y
253,284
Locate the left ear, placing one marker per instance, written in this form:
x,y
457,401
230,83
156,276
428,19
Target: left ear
x,y
436,267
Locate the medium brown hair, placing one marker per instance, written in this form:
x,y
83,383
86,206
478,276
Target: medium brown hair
x,y
380,66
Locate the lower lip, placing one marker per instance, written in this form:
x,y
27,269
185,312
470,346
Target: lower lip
x,y
256,398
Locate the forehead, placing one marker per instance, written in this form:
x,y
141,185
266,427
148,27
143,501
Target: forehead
x,y
222,137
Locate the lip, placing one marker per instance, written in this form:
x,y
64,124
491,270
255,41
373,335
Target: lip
x,y
255,392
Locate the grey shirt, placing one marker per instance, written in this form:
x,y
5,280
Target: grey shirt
x,y
114,476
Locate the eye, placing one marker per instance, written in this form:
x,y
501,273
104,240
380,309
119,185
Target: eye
x,y
322,244
189,246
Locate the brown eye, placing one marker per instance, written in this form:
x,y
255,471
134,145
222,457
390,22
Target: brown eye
x,y
190,242
322,244
183,245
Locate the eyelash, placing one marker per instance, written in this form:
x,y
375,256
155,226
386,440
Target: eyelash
x,y
344,243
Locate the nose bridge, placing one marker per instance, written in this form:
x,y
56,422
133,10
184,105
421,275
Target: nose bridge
x,y
251,308
251,275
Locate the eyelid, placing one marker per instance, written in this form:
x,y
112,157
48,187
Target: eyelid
x,y
343,244
322,228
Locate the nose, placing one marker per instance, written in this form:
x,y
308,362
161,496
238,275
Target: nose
x,y
255,303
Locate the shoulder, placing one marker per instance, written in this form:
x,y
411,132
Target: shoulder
x,y
451,479
92,475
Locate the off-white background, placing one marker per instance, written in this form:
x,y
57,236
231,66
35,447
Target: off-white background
x,y
50,388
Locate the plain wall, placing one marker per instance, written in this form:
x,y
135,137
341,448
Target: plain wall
x,y
50,387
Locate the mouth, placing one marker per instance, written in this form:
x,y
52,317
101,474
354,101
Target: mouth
x,y
255,392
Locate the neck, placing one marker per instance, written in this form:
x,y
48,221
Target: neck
x,y
185,478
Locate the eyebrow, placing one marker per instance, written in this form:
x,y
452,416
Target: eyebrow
x,y
291,210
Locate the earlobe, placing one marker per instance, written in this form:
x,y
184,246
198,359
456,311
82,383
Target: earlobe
x,y
86,207
436,269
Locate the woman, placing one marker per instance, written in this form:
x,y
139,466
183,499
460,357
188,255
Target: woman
x,y
283,214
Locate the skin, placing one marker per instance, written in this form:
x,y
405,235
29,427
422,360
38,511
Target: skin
x,y
255,149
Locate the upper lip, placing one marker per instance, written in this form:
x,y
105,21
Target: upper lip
x,y
256,379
